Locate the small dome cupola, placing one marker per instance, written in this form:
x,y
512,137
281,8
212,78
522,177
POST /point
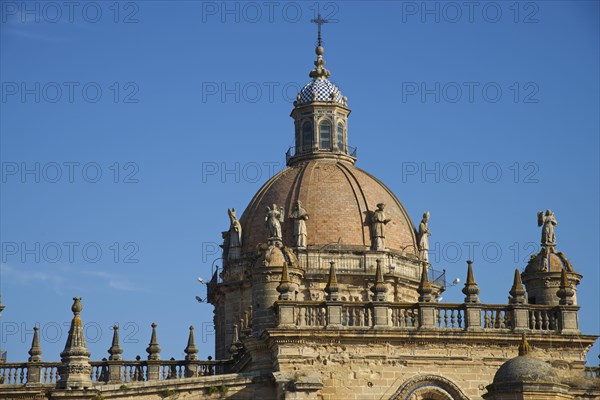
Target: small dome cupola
x,y
543,274
321,115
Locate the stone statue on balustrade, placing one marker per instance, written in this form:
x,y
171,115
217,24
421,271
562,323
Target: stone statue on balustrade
x,y
423,238
234,236
299,216
273,219
378,223
547,221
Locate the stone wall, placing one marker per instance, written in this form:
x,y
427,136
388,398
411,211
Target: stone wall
x,y
365,366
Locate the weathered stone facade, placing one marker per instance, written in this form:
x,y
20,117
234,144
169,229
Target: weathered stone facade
x,y
342,305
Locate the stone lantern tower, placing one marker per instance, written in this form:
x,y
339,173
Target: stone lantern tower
x,y
320,118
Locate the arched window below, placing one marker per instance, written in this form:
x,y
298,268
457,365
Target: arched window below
x,y
429,387
325,135
340,138
307,136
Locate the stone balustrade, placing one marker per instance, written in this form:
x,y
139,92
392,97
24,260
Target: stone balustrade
x,y
496,318
111,372
13,373
310,315
29,372
76,370
544,319
450,316
364,264
403,316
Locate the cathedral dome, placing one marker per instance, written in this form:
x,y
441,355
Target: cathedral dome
x,y
337,197
320,90
525,369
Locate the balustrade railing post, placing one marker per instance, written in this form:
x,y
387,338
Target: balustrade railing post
x,y
286,314
153,371
191,368
519,317
334,314
114,371
380,314
568,320
34,373
426,315
473,317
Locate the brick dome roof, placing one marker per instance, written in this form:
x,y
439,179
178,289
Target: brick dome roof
x,y
337,196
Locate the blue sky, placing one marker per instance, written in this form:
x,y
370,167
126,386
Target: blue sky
x,y
127,131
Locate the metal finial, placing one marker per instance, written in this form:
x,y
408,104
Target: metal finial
x,y
319,21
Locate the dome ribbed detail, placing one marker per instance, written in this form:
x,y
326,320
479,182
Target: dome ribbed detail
x,y
338,197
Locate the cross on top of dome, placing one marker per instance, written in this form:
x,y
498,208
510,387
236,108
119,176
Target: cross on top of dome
x,y
319,21
320,89
320,72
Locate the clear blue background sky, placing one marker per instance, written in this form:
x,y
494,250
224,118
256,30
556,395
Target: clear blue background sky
x,y
164,118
